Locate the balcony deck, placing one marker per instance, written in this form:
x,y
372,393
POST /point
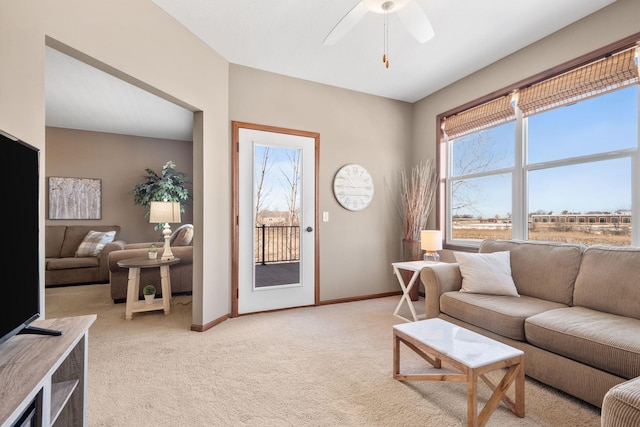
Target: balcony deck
x,y
277,274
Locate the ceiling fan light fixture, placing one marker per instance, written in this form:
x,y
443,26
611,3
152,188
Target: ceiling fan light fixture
x,y
386,6
409,11
382,6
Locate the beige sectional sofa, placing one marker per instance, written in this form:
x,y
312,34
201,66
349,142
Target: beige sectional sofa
x,y
63,267
577,317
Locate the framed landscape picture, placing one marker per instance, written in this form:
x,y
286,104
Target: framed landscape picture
x,y
75,198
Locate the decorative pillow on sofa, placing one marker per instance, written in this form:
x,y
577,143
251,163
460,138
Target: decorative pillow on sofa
x,y
183,236
94,242
486,273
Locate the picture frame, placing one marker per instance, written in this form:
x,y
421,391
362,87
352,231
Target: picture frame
x,y
75,198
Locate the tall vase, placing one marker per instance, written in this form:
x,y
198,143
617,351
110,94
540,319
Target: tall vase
x,y
411,251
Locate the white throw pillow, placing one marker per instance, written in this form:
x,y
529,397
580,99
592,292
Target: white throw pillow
x,y
486,273
94,242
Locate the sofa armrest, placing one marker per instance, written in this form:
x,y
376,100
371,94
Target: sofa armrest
x,y
116,245
143,245
438,279
116,256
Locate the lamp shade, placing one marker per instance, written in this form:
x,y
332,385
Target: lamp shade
x,y
431,240
164,212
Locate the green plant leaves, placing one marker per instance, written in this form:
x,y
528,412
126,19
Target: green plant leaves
x,y
168,186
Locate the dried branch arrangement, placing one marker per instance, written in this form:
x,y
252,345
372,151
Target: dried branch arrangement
x,y
417,195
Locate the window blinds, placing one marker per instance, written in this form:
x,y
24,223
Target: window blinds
x,y
481,117
607,74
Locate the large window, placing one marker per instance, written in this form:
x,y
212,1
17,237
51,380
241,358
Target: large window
x,y
553,161
480,183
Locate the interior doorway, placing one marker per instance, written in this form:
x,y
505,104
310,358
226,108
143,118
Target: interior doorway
x,y
89,86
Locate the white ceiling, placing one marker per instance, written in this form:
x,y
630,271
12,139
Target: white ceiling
x,y
285,37
79,96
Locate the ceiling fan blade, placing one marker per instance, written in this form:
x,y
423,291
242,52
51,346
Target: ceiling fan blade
x,y
346,24
416,21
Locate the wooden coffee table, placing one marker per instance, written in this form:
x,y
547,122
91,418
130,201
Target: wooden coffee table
x,y
471,355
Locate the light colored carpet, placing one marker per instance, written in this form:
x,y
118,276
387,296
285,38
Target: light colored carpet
x,y
319,366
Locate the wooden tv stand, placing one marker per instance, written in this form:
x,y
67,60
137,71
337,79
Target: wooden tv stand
x,y
48,370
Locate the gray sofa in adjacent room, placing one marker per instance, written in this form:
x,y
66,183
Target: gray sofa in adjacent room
x,y
63,267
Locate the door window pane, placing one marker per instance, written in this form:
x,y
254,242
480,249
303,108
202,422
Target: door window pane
x,y
587,203
481,207
277,213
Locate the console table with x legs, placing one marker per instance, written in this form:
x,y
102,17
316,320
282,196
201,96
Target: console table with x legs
x,y
416,267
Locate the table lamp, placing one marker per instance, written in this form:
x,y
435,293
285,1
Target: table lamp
x,y
165,213
431,242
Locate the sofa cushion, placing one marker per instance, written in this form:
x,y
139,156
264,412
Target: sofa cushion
x,y
545,270
94,242
601,340
503,315
75,233
488,273
53,238
67,263
608,280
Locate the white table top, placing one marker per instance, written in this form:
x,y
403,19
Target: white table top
x,y
412,265
467,347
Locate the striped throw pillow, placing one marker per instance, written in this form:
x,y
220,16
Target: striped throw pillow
x,y
94,242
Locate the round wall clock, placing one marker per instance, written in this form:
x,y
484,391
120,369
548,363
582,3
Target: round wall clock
x,y
353,187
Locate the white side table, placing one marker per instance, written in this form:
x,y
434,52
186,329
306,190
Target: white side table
x,y
416,267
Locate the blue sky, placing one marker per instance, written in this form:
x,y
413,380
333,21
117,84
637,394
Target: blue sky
x,y
276,187
601,124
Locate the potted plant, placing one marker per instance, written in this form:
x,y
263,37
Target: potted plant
x,y
153,251
167,186
149,293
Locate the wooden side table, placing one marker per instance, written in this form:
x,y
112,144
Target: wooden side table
x,y
134,265
416,267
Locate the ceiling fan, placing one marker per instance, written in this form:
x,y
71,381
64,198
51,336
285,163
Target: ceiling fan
x,y
409,12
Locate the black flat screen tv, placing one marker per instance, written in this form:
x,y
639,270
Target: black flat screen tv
x,y
19,242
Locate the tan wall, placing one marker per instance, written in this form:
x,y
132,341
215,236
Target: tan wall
x,y
120,162
137,41
356,248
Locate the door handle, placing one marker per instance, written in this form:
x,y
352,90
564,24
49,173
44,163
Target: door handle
x,y
309,229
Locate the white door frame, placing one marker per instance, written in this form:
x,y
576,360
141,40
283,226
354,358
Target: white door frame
x,y
237,220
